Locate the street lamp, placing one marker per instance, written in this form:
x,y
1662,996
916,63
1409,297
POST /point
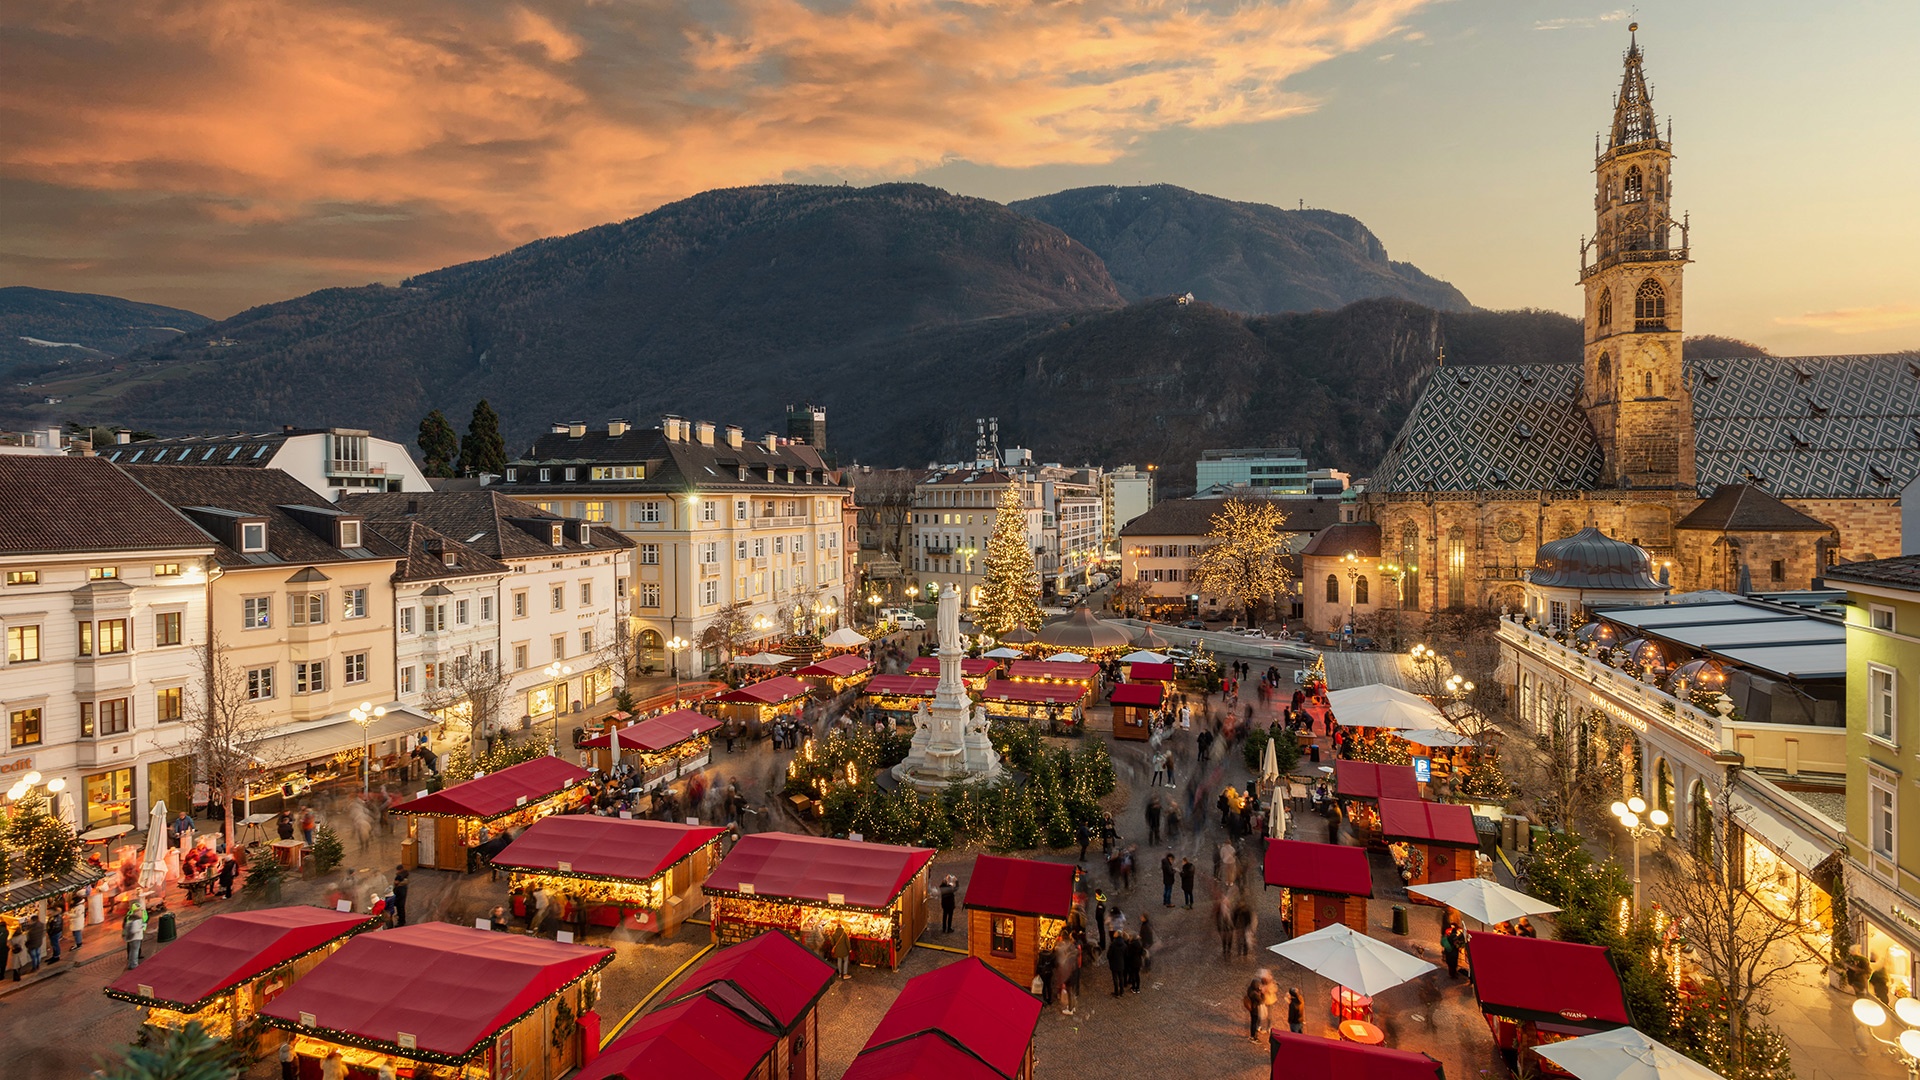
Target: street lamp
x,y
1906,1045
1628,813
32,780
1351,560
762,625
913,594
677,645
365,715
873,609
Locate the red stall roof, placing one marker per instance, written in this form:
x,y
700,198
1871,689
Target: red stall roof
x,y
971,667
1033,693
770,973
499,793
1132,693
975,1007
1053,669
1310,1057
1437,823
1020,886
774,691
602,847
1146,672
228,949
452,988
794,867
697,1039
901,686
837,666
1333,869
659,732
1371,780
931,1056
1555,981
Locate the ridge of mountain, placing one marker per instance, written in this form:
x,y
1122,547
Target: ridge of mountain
x,y
43,329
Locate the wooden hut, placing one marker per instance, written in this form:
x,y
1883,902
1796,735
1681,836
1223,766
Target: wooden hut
x,y
1035,700
1135,704
639,875
1438,840
760,702
974,670
1149,672
804,884
446,826
964,1021
1016,910
1360,785
662,747
1324,883
1533,991
433,999
901,695
1075,672
219,973
837,673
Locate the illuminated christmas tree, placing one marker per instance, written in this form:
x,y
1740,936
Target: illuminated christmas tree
x,y
42,844
1010,596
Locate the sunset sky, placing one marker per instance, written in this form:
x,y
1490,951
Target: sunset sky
x,y
215,154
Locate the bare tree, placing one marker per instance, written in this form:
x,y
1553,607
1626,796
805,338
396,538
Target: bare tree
x,y
1126,596
468,697
885,498
621,653
227,735
729,630
1569,773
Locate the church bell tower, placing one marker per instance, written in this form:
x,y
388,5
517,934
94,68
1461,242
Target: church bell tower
x,y
1634,389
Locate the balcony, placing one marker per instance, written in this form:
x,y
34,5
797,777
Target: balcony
x,y
1710,733
355,467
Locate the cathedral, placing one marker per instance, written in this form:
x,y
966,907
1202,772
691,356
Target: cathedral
x,y
1748,474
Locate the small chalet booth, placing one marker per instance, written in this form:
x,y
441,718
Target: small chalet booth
x,y
1079,673
1057,702
805,884
1135,704
1322,884
446,825
837,673
974,670
760,702
1360,785
964,1021
662,747
900,695
1310,1057
447,1002
1016,910
1431,842
1533,991
1150,672
222,971
750,1011
639,875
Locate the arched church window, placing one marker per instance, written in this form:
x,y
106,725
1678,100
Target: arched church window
x,y
1333,588
1603,313
1360,590
1633,185
1649,378
1606,373
1650,306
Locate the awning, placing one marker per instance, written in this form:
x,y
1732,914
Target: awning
x,y
229,949
1786,837
1426,822
293,744
1311,1057
1033,693
770,974
1330,869
790,866
1065,670
583,845
973,1006
19,894
971,667
658,733
775,691
1149,694
1020,886
1371,780
841,666
499,793
900,686
1557,982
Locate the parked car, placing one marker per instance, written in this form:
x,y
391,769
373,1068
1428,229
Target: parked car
x,y
1193,624
902,618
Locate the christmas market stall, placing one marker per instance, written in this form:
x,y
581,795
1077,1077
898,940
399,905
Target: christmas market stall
x,y
433,1000
18,895
807,884
974,670
1016,910
1151,673
1135,704
751,1010
662,747
1069,672
222,971
837,673
1430,842
449,826
760,702
639,875
964,1021
1310,1057
1060,703
900,695
1360,785
1533,991
1321,884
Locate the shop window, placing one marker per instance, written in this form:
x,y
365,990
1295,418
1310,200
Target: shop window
x,y
1002,935
109,798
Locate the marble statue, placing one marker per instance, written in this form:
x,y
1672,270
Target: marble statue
x,y
950,742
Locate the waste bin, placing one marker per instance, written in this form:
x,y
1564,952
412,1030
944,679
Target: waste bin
x,y
1313,752
166,932
1400,918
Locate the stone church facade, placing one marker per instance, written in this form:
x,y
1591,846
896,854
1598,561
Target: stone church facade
x,y
1748,472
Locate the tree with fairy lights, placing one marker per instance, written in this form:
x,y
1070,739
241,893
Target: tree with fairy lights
x,y
43,845
1010,596
1244,562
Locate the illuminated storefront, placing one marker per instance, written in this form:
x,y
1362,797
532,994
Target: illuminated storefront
x,y
447,826
109,798
639,875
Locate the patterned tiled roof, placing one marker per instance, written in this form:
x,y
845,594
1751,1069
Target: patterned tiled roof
x,y
1504,428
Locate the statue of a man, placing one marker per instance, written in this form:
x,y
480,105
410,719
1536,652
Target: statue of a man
x,y
950,619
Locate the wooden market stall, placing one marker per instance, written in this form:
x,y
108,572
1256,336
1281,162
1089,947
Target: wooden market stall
x,y
1016,910
447,826
958,1022
760,702
1145,672
1533,991
1322,884
974,670
1058,702
661,747
804,884
220,972
1310,1057
899,694
1360,785
751,1010
1072,672
1135,704
437,1000
837,673
1431,842
638,875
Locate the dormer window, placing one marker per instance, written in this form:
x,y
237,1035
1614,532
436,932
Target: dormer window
x,y
546,475
570,472
349,532
559,532
586,533
253,536
512,474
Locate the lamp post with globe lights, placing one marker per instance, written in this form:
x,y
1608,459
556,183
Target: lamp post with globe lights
x,y
1906,1045
1629,815
53,787
365,715
677,645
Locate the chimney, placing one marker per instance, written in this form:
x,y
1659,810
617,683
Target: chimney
x,y
735,437
576,429
772,442
670,427
616,428
557,428
122,437
704,431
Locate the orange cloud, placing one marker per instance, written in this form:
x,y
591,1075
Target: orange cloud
x,y
1860,320
527,118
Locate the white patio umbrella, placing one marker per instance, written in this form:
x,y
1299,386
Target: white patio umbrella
x,y
844,638
1003,653
1623,1054
1393,715
1068,657
1487,901
153,864
1269,764
1371,693
764,659
1145,656
1435,737
1354,960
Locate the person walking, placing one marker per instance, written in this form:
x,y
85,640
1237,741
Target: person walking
x,y
1242,925
133,930
400,896
1260,996
1084,834
289,1068
1146,947
1136,958
17,957
1043,974
306,825
76,923
1153,820
1186,881
1450,949
840,944
35,931
1100,918
1296,1010
1117,964
947,886
229,869
1070,964
1167,875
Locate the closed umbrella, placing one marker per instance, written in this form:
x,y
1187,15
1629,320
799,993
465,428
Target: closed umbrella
x,y
1269,764
1276,813
1623,1054
1487,901
1340,954
153,864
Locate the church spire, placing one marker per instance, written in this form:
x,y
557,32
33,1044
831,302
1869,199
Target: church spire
x,y
1633,119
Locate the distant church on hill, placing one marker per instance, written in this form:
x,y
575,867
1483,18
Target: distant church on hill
x,y
1752,472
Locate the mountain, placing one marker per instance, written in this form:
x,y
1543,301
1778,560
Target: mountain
x,y
41,329
1163,240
